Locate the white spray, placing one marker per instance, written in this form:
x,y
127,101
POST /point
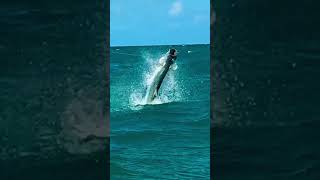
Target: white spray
x,y
151,80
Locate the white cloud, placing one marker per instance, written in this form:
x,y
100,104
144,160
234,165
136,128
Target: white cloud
x,y
175,9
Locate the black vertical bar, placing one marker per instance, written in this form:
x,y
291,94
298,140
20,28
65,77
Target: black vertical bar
x,y
265,93
54,90
108,80
212,20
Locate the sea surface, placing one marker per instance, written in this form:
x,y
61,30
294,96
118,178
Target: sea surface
x,y
169,139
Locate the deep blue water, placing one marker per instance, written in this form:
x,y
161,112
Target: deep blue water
x,y
169,139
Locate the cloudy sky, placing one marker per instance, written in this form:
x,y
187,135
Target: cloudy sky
x,y
159,22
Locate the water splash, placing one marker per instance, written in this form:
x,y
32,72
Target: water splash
x,y
168,92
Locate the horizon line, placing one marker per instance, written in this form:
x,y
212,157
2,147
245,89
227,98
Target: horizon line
x,y
112,46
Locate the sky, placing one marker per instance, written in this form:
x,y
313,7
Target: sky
x,y
159,22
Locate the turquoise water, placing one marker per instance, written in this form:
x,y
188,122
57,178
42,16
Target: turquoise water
x,y
171,138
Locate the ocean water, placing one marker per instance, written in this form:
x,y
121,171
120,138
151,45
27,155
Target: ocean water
x,y
265,109
169,139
